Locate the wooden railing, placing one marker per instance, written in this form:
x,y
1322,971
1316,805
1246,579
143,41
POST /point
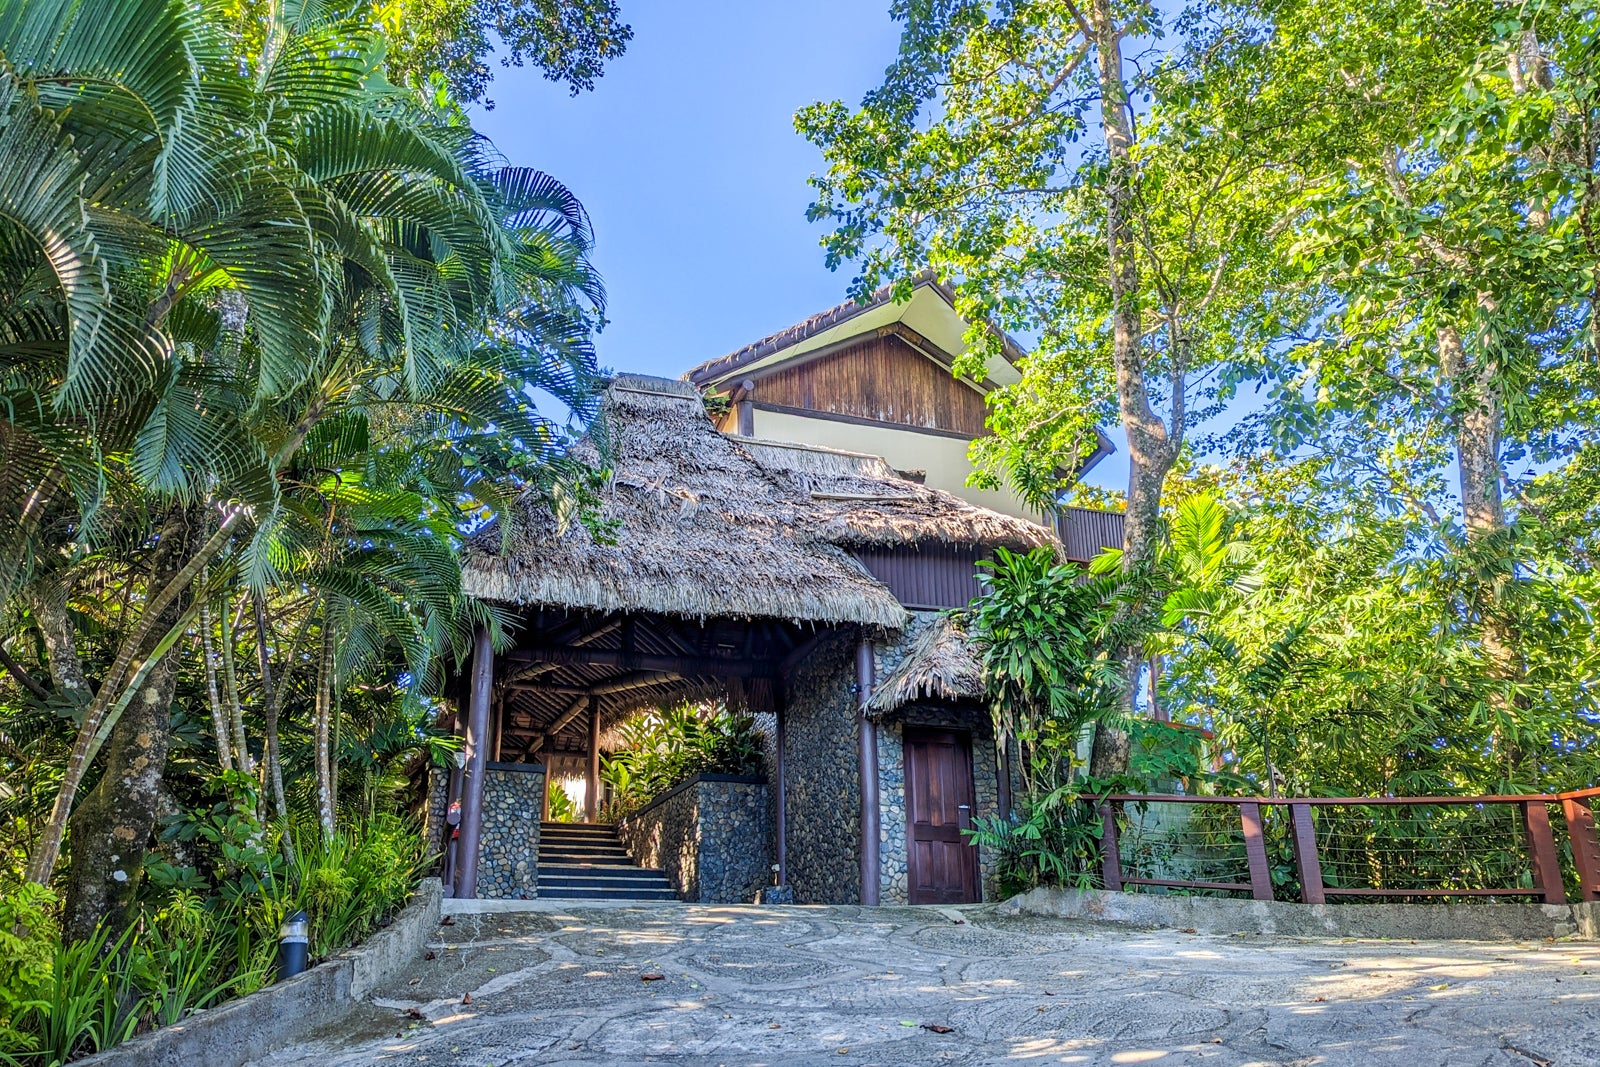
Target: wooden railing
x,y
1318,848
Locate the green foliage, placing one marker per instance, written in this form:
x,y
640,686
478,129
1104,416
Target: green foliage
x,y
200,937
1346,665
1049,636
447,43
666,746
561,807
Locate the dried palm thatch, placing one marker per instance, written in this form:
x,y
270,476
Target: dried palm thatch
x,y
701,531
941,665
857,500
711,526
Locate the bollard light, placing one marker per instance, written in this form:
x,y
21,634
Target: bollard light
x,y
294,943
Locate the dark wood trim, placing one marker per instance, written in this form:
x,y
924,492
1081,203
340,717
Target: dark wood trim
x,y
682,665
856,420
641,680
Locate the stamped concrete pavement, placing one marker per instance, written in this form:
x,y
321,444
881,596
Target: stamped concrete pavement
x,y
813,986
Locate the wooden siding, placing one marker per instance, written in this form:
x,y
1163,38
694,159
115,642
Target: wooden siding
x,y
927,576
882,379
1084,532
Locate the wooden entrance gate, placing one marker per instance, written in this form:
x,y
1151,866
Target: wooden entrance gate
x,y
942,865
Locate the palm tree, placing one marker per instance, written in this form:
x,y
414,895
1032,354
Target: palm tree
x,y
227,271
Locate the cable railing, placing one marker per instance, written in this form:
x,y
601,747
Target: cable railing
x,y
1322,849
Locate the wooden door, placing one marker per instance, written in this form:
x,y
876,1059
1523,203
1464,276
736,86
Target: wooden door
x,y
942,864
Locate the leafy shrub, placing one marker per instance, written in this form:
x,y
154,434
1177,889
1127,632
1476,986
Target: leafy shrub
x,y
667,746
196,940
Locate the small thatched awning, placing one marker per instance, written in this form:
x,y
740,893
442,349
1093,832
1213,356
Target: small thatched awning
x,y
710,526
941,665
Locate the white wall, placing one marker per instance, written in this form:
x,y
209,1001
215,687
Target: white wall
x,y
944,458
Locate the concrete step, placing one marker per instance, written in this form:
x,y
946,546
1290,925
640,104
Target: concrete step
x,y
577,859
601,874
663,895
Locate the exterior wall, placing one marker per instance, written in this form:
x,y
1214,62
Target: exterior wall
x,y
508,849
943,457
711,837
433,827
824,781
1084,532
893,871
926,575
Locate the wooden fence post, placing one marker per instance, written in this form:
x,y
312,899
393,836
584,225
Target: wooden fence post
x,y
1305,854
1542,852
1110,859
1255,850
1585,844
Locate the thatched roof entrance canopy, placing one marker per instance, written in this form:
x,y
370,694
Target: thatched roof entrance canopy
x,y
941,665
705,526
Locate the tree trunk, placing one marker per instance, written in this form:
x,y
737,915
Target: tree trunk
x,y
49,607
219,722
42,863
1475,391
1151,450
230,690
112,825
270,701
322,729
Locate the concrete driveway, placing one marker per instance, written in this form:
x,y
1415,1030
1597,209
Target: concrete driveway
x,y
841,985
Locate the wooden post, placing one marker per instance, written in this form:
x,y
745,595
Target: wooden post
x,y
497,723
1110,851
1305,854
1585,844
591,789
781,785
1255,850
1542,852
476,746
747,409
868,759
1002,770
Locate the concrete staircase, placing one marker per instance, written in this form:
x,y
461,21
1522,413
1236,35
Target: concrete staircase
x,y
586,861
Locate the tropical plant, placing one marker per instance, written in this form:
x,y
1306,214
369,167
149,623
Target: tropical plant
x,y
663,747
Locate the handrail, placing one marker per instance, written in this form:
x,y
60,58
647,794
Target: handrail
x,y
1509,798
1577,808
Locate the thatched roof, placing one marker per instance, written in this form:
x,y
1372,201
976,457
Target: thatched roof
x,y
940,665
854,499
706,525
701,530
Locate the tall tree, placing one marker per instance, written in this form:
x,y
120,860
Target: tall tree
x,y
1125,255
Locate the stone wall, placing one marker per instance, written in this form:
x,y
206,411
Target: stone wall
x,y
824,781
711,837
508,849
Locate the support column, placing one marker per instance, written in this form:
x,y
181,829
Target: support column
x,y
1003,775
477,737
868,735
591,791
782,788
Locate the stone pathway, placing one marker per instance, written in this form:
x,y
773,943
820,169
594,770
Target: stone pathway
x,y
805,987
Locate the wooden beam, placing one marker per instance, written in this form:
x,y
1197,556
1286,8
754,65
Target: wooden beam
x,y
632,681
720,666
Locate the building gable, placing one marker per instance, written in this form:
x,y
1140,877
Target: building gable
x,y
879,378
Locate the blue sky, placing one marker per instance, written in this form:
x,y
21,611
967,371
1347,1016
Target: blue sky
x,y
686,157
